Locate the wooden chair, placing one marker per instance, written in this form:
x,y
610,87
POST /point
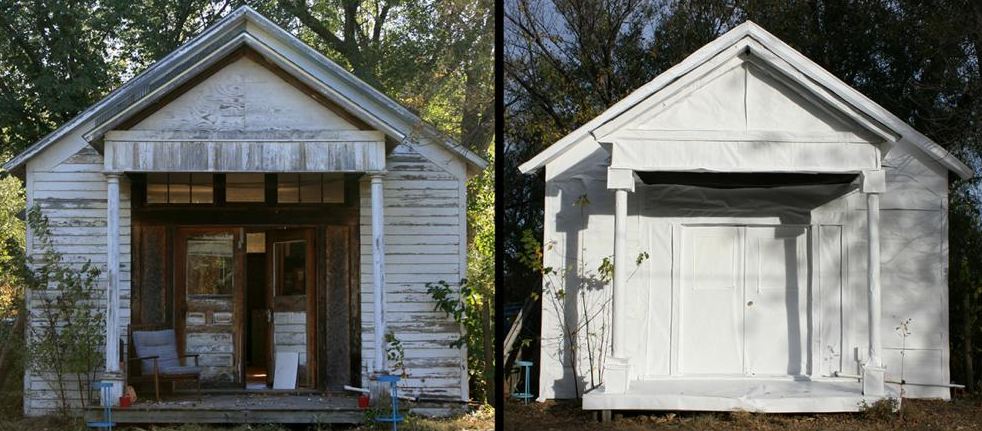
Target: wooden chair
x,y
155,351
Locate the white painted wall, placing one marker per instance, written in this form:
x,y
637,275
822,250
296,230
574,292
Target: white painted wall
x,y
914,259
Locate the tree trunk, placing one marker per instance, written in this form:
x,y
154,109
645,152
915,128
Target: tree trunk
x,y
487,338
967,326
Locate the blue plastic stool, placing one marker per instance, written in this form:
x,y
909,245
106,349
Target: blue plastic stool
x,y
394,394
526,395
106,391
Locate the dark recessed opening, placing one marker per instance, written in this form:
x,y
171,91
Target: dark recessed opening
x,y
733,180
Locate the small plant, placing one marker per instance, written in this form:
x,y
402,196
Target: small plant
x,y
67,335
395,354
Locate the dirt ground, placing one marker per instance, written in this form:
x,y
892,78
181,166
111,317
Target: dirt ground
x,y
960,414
480,420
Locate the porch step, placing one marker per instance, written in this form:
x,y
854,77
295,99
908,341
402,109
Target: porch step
x,y
755,395
240,409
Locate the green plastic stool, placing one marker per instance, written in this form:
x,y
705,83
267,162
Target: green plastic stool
x,y
526,395
106,390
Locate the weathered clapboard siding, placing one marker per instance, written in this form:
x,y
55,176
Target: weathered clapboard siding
x,y
72,194
424,243
243,95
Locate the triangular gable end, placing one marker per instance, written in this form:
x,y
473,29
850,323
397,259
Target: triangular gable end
x,y
742,98
246,29
242,95
741,95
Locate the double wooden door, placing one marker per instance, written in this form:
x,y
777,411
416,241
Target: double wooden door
x,y
210,300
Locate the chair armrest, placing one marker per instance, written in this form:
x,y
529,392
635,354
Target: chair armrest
x,y
193,355
144,358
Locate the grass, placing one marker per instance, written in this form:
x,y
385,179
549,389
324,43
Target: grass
x,y
959,414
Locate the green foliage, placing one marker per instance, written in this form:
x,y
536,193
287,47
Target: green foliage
x,y
395,354
12,316
68,331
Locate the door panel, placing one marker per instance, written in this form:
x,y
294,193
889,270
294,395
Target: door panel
x,y
291,272
208,296
711,340
776,297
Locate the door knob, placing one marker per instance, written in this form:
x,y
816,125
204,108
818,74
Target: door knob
x,y
750,303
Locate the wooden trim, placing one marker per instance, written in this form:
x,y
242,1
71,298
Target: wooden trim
x,y
308,301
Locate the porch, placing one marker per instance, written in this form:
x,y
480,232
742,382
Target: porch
x,y
775,395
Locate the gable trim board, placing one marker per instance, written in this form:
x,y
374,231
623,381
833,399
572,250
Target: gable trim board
x,y
246,27
749,39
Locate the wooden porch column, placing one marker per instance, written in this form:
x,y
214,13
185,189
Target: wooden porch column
x,y
873,183
378,270
112,370
618,366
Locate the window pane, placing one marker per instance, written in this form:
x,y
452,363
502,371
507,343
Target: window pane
x,y
286,188
180,188
210,266
156,188
334,188
202,190
310,188
291,267
245,188
256,242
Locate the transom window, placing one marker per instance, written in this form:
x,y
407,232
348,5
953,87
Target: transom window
x,y
177,188
180,188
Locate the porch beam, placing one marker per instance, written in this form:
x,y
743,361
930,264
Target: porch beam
x,y
112,369
873,184
378,270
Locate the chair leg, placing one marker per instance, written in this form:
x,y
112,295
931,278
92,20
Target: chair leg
x,y
156,386
197,380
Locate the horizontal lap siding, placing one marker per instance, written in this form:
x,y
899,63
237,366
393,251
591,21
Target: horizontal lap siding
x,y
424,240
72,194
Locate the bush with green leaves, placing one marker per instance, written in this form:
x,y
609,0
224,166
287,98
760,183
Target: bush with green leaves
x,y
67,327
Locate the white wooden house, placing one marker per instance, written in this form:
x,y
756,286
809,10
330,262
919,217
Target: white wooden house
x,y
258,198
791,225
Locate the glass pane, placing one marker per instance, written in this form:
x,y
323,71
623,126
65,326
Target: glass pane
x,y
256,242
334,188
202,190
286,188
310,188
180,188
210,265
291,267
156,188
245,188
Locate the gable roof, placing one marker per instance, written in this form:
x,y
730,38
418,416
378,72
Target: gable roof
x,y
750,37
245,27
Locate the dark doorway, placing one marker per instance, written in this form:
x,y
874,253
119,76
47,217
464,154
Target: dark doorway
x,y
257,325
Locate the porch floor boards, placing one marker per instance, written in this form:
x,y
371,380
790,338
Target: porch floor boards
x,y
755,395
240,408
